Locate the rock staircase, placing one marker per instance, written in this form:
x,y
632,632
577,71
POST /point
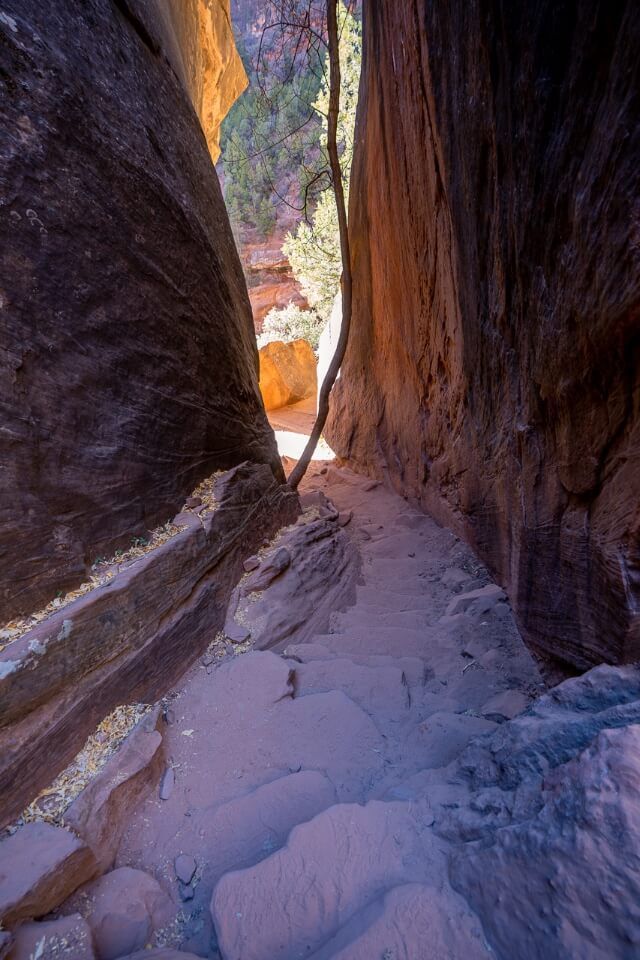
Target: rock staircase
x,y
308,780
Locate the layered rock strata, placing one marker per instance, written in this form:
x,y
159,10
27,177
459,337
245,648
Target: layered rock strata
x,y
493,371
131,638
128,359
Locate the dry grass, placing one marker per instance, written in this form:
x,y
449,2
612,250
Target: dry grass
x,y
51,803
205,491
104,570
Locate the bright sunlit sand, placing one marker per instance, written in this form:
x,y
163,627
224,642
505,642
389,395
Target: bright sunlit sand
x,y
292,426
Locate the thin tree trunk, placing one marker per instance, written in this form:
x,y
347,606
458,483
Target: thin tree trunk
x,y
338,189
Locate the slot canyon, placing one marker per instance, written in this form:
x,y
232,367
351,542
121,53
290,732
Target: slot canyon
x,y
392,713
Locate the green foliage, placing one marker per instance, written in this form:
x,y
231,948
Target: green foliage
x,y
267,140
273,146
291,323
314,249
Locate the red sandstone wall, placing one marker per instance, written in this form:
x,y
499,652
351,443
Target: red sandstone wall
x,y
128,364
494,364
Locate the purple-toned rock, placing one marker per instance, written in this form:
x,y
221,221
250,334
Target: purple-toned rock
x,y
236,632
167,783
253,826
341,876
40,865
6,939
186,891
476,602
454,578
185,867
508,704
314,575
161,953
404,921
99,814
123,909
270,568
67,938
129,639
157,324
251,563
582,823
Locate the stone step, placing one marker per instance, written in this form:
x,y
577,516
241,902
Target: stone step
x,y
237,835
396,545
377,689
294,901
361,617
440,644
390,600
414,669
412,921
243,832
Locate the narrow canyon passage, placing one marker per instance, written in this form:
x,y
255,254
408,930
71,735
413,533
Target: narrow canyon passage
x,y
393,714
353,727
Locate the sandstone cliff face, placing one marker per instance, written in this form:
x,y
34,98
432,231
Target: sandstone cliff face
x,y
198,38
494,365
128,360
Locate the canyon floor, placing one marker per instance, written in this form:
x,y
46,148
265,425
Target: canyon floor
x,y
301,774
305,777
366,765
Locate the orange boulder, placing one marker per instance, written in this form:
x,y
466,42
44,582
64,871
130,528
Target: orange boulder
x,y
287,373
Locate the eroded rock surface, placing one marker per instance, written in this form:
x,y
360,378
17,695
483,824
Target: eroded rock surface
x,y
129,366
40,866
131,638
123,909
493,366
287,373
554,807
68,938
397,780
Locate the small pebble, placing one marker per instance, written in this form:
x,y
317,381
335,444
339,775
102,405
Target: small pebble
x,y
186,891
168,715
236,632
185,867
166,784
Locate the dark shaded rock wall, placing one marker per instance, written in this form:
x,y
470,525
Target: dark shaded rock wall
x,y
130,639
493,370
128,365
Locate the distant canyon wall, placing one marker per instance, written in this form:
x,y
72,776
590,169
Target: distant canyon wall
x,y
493,371
127,353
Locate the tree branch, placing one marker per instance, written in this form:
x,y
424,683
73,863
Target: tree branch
x,y
300,468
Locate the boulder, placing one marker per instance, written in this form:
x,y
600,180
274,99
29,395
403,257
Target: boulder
x,y
565,880
67,938
476,602
287,373
290,597
271,567
185,867
123,909
40,866
99,814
